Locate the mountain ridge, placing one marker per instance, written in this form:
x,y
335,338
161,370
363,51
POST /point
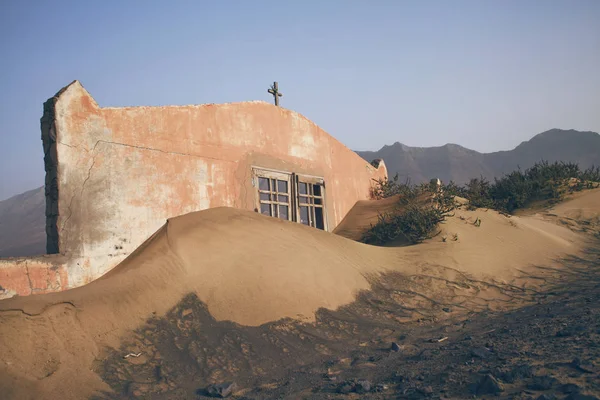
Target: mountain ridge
x,y
23,224
458,163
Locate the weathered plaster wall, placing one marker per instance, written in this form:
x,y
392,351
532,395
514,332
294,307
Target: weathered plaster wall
x,y
119,173
32,275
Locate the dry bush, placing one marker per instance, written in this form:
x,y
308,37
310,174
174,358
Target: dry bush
x,y
419,211
544,181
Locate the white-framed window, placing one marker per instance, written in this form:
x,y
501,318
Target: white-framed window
x,y
290,196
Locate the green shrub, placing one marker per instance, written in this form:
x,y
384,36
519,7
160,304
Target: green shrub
x,y
453,189
590,178
422,207
419,210
387,188
413,224
544,181
512,191
477,192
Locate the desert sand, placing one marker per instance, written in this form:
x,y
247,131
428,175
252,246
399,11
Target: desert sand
x,y
251,271
362,215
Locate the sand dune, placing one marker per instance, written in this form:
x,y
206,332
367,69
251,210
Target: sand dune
x,y
583,207
364,214
248,269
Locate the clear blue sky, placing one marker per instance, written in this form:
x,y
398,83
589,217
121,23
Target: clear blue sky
x,y
483,74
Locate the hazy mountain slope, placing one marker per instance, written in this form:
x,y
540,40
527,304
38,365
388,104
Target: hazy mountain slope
x,y
448,162
454,162
552,145
22,224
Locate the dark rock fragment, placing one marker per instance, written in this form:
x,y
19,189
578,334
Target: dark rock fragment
x,y
381,387
345,388
582,366
480,352
546,397
568,388
362,386
579,396
519,372
543,382
488,385
221,390
427,390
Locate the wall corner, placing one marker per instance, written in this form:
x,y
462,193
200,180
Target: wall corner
x,y
381,168
49,139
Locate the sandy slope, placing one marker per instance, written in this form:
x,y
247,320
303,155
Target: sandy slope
x,y
582,209
364,214
248,269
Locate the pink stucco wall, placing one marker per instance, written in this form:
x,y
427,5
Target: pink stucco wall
x,y
32,275
121,172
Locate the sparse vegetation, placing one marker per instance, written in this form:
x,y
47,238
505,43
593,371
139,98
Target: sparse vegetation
x,y
544,181
419,211
422,207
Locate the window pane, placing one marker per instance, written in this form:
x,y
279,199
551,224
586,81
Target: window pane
x,y
283,199
319,221
265,209
263,183
265,197
283,212
318,201
273,185
304,215
282,186
317,190
303,200
302,188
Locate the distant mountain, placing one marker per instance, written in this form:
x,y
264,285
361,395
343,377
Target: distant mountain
x,y
457,163
23,224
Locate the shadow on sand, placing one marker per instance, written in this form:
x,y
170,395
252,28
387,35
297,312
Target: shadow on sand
x,y
409,336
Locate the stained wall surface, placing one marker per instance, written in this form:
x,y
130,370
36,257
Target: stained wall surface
x,y
23,276
114,175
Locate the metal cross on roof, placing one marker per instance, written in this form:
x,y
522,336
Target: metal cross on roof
x,y
275,92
